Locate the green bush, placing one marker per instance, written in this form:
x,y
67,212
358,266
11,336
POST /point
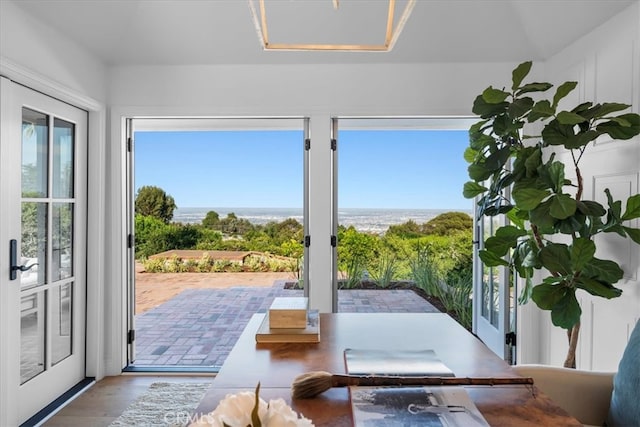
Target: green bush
x,y
385,270
457,299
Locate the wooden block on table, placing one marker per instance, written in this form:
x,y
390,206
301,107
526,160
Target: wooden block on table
x,y
309,334
288,312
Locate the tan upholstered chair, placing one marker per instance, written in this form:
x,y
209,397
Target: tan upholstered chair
x,y
584,394
595,397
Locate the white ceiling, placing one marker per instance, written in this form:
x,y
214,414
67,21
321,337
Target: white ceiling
x,y
172,32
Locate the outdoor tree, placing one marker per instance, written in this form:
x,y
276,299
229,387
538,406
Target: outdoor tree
x,y
448,223
154,201
211,220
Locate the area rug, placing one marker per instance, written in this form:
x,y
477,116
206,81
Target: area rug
x,y
164,404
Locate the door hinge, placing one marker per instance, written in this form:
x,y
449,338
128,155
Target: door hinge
x,y
307,144
307,241
334,241
129,241
334,144
131,336
129,144
510,338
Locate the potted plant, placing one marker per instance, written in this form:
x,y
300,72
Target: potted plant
x,y
551,226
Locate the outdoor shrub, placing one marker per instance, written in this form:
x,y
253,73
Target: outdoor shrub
x,y
457,298
425,274
385,270
153,265
190,265
173,265
221,265
205,263
353,276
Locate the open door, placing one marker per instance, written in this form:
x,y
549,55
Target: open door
x,y
492,299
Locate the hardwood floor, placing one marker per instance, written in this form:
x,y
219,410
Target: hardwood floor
x,y
107,399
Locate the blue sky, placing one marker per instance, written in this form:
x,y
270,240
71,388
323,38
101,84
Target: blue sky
x,y
408,169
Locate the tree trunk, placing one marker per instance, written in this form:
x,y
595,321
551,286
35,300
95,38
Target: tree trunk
x,y
572,335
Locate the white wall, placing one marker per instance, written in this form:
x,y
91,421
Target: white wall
x,y
606,63
35,55
35,46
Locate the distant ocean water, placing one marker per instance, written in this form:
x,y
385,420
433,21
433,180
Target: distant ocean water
x,y
364,220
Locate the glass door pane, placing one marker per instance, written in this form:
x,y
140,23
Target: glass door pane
x,y
48,207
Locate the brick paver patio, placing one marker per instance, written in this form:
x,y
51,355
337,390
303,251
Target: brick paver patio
x,y
198,327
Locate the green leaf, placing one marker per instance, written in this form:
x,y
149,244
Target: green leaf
x,y
485,110
528,198
519,107
632,210
490,259
616,131
497,160
470,154
533,162
604,270
615,228
499,246
255,418
633,233
566,312
571,225
546,295
480,141
510,231
472,189
581,139
598,288
556,258
567,118
555,133
479,172
556,173
513,217
541,110
601,110
591,208
534,87
541,216
519,73
525,295
477,129
562,206
582,251
504,239
563,90
494,96
615,207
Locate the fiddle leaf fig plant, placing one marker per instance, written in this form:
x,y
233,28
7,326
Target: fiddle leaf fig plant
x,y
551,226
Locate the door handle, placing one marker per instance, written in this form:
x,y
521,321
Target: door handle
x,y
13,261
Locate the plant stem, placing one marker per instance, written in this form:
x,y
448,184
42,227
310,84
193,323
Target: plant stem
x,y
572,335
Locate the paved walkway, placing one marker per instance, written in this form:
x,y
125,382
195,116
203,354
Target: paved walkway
x,y
198,327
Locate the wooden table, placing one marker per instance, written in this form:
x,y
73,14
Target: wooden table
x,y
276,365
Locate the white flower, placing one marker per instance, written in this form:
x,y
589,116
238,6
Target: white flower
x,y
235,411
281,415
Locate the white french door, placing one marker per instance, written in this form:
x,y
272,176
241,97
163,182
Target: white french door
x,y
43,239
492,298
